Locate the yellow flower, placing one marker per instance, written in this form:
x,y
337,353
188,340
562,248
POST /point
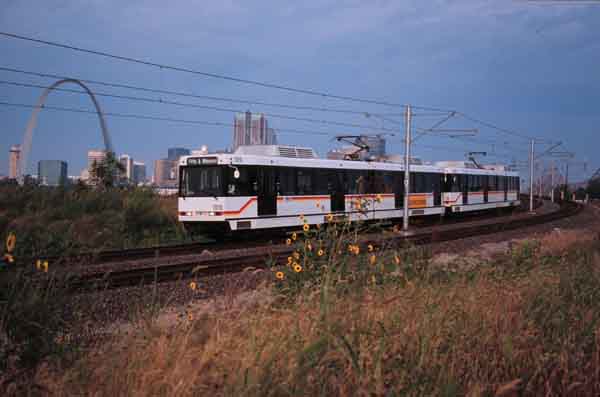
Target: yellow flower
x,y
329,217
190,316
297,268
38,264
397,259
378,198
288,241
306,227
370,247
193,285
45,266
373,259
290,260
294,236
296,255
11,241
356,250
320,252
279,275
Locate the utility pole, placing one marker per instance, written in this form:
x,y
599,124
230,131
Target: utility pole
x,y
406,170
552,182
531,154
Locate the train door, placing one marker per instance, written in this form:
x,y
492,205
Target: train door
x,y
486,187
437,189
267,191
505,187
466,181
399,189
336,190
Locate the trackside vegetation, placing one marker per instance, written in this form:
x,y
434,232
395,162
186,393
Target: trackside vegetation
x,y
62,221
354,320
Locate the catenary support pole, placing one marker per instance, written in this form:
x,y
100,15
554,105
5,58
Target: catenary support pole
x,y
406,170
552,182
531,154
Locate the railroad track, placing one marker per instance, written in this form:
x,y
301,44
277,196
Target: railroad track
x,y
162,251
257,257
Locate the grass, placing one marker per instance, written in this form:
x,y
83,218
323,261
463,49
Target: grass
x,y
525,323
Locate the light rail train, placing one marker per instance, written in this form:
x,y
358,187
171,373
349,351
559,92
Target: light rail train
x,y
270,186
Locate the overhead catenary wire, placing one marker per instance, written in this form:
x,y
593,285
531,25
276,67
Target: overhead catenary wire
x,y
199,72
155,118
198,106
196,96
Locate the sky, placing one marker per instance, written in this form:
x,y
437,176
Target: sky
x,y
528,67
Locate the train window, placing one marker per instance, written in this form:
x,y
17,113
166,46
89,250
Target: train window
x,y
304,181
388,182
202,181
453,183
321,179
244,184
287,181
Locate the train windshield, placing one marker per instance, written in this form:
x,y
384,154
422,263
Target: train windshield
x,y
203,181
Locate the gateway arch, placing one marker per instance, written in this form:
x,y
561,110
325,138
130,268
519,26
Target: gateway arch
x,y
27,139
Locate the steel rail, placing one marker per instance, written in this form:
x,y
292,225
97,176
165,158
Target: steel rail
x,y
276,253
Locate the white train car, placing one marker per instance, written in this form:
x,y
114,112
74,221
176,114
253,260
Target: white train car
x,y
268,186
468,188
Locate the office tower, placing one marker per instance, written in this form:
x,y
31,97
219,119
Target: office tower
x,y
176,152
14,162
95,156
252,129
165,173
139,172
52,172
127,162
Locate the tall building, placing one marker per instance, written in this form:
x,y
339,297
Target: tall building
x,y
139,172
252,129
14,162
127,162
175,153
165,173
52,172
95,156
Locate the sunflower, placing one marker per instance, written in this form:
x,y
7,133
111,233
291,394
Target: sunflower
x,y
11,241
329,217
297,268
306,227
373,259
294,236
45,266
190,316
288,241
296,255
320,252
370,247
193,285
290,259
279,275
38,264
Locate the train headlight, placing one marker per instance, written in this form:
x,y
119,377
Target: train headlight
x,y
211,213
